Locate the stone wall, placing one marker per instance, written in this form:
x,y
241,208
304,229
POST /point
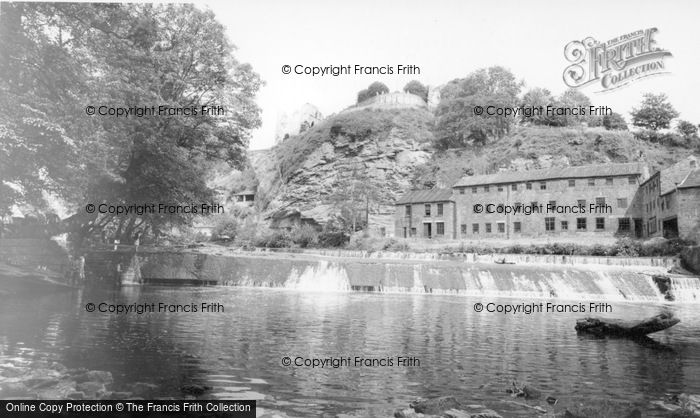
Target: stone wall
x,y
689,213
395,100
40,254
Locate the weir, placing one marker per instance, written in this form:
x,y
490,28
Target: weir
x,y
321,274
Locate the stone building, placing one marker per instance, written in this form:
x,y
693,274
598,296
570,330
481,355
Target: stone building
x,y
670,201
585,201
425,214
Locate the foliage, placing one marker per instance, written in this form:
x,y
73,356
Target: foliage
x,y
225,227
58,58
304,236
538,98
655,112
457,125
614,122
686,128
371,91
417,88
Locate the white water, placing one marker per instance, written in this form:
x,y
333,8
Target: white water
x,y
686,289
322,277
132,275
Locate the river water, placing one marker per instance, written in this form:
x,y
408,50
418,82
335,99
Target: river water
x,y
239,352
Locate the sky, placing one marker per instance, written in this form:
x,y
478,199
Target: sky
x,y
448,40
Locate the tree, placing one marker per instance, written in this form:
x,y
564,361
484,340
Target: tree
x,y
573,100
614,122
457,125
126,56
377,88
417,88
362,95
538,98
686,128
654,113
352,198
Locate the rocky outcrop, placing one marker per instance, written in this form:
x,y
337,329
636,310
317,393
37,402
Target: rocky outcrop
x,y
383,146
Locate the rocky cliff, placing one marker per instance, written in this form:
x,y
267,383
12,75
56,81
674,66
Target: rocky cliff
x,y
384,146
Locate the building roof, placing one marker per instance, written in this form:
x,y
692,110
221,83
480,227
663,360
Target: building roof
x,y
584,171
244,192
425,196
693,180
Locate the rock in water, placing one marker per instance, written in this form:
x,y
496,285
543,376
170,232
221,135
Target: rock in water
x,y
435,405
622,328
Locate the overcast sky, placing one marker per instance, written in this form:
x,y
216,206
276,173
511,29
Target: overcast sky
x,y
448,39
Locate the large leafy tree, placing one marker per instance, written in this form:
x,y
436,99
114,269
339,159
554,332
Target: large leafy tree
x,y
59,58
457,125
655,112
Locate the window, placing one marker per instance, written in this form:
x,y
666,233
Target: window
x,y
408,210
553,205
382,231
581,224
517,226
572,183
632,180
599,223
440,228
591,182
475,228
543,185
549,224
461,190
600,201
427,210
564,225
517,204
581,202
486,188
474,189
652,225
500,187
622,203
528,186
609,181
405,232
439,209
488,228
413,232
501,227
533,205
514,186
624,225
463,229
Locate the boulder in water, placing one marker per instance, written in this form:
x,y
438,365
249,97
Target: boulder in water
x,y
434,405
622,328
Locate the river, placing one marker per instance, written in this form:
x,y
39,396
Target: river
x,y
240,352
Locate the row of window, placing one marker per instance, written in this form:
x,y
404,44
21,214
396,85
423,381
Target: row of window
x,y
542,185
428,209
664,203
623,225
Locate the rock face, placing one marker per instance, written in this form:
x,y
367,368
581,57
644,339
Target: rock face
x,y
382,146
616,327
691,259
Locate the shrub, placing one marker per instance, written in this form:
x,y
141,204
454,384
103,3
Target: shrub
x,y
225,228
275,238
332,239
304,236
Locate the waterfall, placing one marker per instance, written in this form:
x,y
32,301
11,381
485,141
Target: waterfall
x,y
132,275
321,277
686,289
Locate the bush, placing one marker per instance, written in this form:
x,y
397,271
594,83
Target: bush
x,y
332,239
305,236
661,247
225,228
274,239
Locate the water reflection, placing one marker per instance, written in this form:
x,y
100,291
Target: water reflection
x,y
238,353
